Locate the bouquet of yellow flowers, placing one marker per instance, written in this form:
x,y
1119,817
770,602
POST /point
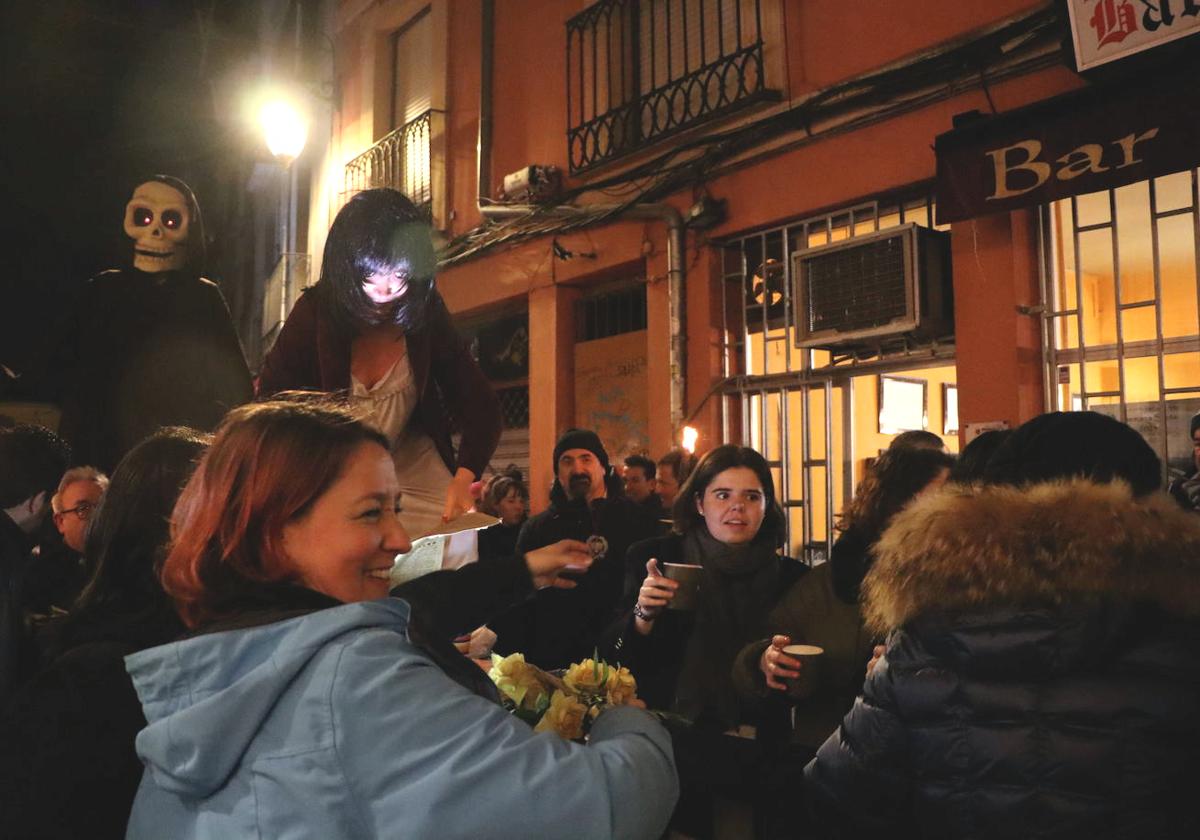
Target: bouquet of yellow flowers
x,y
567,704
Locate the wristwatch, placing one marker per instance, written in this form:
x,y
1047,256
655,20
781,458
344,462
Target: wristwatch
x,y
642,614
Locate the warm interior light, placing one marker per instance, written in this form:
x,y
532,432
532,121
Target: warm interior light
x,y
285,129
690,434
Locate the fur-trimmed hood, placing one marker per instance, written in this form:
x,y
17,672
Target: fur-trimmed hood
x,y
992,546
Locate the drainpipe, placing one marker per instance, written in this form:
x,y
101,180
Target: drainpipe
x,y
665,213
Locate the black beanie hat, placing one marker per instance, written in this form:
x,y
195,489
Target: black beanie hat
x,y
1075,444
580,439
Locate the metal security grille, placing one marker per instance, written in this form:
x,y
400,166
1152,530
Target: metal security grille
x,y
1121,308
400,160
612,313
640,70
514,406
856,289
786,395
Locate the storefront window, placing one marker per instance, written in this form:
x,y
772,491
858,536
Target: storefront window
x,y
813,413
1122,298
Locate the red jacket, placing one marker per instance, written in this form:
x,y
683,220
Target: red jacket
x,y
312,354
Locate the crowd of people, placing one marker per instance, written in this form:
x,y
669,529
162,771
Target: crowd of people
x,y
208,641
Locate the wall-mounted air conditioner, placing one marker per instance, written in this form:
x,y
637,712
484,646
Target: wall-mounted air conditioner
x,y
896,281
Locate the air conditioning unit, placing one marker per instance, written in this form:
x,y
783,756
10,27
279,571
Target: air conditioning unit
x,y
893,282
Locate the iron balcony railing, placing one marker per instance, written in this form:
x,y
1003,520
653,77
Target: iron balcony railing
x,y
402,160
641,70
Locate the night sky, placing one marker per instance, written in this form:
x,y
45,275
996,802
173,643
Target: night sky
x,y
96,95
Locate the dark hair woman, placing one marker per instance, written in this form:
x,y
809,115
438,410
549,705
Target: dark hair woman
x,y
822,609
68,735
729,525
307,703
1041,677
375,327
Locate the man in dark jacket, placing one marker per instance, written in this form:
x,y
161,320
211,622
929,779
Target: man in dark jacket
x,y
559,626
1041,677
31,461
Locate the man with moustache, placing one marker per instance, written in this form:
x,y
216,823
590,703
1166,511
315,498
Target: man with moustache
x,y
556,627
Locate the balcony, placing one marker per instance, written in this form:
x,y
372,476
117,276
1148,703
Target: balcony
x,y
403,160
642,70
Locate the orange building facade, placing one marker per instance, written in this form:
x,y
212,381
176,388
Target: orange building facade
x,y
815,124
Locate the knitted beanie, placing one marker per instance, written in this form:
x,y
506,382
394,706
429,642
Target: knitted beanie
x,y
581,439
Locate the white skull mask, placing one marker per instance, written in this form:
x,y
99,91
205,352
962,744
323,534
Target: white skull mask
x,y
157,220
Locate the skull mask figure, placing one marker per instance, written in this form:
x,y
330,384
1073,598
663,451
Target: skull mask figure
x,y
157,220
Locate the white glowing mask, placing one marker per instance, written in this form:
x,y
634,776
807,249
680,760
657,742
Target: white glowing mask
x,y
157,220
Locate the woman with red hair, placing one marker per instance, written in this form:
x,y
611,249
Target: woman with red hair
x,y
307,703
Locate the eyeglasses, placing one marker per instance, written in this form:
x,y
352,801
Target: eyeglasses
x,y
83,510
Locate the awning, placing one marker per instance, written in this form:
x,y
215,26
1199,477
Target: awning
x,y
1094,139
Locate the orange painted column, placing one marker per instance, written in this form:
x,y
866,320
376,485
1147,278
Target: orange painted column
x,y
998,347
551,382
704,345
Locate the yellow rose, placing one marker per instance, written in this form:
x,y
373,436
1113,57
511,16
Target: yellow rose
x,y
516,679
587,677
565,716
621,687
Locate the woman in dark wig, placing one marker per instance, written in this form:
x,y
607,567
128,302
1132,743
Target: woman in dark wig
x,y
68,734
728,522
374,326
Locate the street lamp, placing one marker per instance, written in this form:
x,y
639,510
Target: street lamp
x,y
285,129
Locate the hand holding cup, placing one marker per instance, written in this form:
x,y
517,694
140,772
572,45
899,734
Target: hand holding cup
x,y
656,594
777,666
546,563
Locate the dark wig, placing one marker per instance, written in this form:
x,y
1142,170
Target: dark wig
x,y
713,464
197,252
127,539
377,230
892,481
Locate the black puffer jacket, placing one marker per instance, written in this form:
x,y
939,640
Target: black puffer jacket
x,y
1041,678
559,626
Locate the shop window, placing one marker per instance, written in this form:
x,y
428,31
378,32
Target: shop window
x,y
1121,296
814,414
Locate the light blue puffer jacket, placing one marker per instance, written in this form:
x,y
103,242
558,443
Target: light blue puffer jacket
x,y
335,725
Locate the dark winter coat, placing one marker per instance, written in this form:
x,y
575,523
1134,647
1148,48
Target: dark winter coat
x,y
657,659
142,351
311,353
15,646
559,626
811,613
1041,677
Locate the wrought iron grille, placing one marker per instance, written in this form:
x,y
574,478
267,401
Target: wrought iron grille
x,y
514,406
613,313
640,70
401,160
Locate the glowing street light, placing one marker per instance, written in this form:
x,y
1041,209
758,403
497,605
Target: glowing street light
x,y
284,127
689,437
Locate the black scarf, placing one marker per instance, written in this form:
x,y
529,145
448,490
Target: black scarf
x,y
739,585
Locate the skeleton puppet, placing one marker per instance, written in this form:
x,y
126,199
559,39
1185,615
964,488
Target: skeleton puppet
x,y
152,345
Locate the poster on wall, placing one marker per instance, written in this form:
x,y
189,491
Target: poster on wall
x,y
902,405
1148,420
949,409
610,392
